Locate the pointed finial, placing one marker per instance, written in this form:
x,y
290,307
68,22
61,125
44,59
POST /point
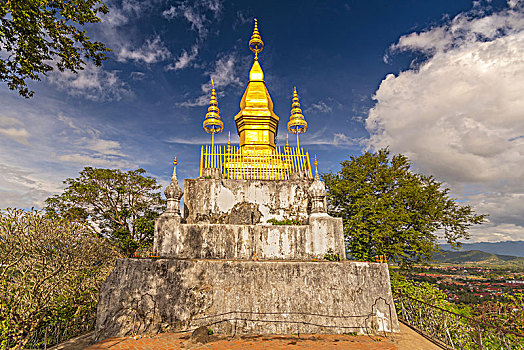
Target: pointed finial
x,y
229,137
173,193
297,124
316,169
256,44
173,177
212,124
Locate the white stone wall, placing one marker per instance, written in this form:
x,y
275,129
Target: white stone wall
x,y
225,241
148,296
206,199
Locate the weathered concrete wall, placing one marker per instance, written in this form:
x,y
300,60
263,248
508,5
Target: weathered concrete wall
x,y
224,241
245,201
232,296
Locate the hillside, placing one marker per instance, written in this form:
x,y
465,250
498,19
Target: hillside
x,y
478,257
515,248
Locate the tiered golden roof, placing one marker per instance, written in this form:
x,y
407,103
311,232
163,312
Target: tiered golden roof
x,y
256,122
257,125
255,43
297,123
213,123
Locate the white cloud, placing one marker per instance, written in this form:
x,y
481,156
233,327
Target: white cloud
x,y
319,107
137,75
22,188
87,147
224,74
459,114
114,32
199,15
322,137
242,18
14,128
220,139
152,51
92,83
184,60
60,142
197,102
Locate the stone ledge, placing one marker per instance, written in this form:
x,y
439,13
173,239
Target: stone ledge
x,y
176,240
272,297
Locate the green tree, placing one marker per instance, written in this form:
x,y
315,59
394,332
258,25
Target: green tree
x,y
508,314
389,210
120,205
51,270
35,34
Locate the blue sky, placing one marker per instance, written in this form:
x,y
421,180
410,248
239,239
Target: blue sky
x,y
439,81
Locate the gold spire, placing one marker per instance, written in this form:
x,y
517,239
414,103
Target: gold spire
x,y
174,170
255,43
316,170
212,124
297,124
256,122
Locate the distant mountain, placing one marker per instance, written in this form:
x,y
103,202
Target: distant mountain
x,y
478,257
515,248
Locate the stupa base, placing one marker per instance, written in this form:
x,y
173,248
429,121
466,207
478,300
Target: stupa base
x,y
147,296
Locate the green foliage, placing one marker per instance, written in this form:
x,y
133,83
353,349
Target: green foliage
x,y
508,314
210,331
426,292
50,270
120,205
389,210
37,33
423,291
331,255
284,222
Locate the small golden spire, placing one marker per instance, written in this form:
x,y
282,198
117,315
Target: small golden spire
x,y
316,170
175,162
297,124
256,44
212,124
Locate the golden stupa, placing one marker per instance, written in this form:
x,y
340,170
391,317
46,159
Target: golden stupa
x,y
257,156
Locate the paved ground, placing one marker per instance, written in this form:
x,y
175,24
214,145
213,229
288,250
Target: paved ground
x,y
406,340
273,342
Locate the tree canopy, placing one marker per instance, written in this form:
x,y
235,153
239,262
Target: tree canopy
x,y
50,270
120,205
389,210
38,34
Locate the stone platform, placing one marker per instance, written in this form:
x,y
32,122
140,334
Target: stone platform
x,y
174,239
238,297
